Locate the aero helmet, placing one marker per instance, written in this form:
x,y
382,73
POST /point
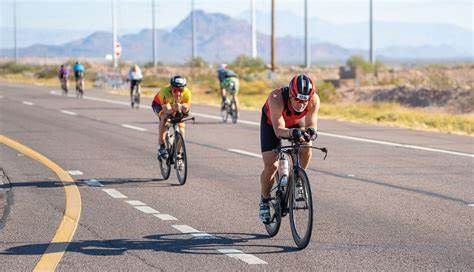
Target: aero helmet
x,y
301,87
178,81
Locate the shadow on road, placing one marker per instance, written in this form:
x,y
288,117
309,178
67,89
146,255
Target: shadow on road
x,y
174,243
82,182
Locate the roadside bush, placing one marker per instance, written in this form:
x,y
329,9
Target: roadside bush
x,y
366,67
197,62
244,65
47,73
15,68
326,92
154,81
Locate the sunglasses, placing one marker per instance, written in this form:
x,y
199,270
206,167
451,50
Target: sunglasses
x,y
300,101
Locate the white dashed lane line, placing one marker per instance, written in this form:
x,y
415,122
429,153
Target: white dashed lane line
x,y
243,152
165,217
133,127
68,112
75,172
114,193
238,254
28,103
192,231
135,202
94,183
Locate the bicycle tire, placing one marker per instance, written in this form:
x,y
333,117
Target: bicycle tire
x,y
234,111
165,164
275,205
225,114
180,173
301,241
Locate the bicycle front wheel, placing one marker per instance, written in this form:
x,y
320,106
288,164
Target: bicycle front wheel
x,y
180,159
301,209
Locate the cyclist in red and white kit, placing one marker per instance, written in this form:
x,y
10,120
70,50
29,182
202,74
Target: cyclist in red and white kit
x,y
289,112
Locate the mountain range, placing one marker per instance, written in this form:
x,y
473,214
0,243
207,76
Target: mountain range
x,y
221,38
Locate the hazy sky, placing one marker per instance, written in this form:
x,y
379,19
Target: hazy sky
x,y
133,15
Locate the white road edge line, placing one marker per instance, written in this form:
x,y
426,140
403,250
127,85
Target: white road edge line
x,y
366,140
68,112
133,127
190,230
94,183
243,152
28,103
75,172
114,193
240,255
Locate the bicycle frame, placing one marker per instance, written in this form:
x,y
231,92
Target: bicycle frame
x,y
292,151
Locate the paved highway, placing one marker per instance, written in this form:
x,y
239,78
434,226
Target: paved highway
x,y
385,199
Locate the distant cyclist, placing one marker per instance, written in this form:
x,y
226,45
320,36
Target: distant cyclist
x,y
135,76
63,75
79,77
169,101
222,75
289,112
230,85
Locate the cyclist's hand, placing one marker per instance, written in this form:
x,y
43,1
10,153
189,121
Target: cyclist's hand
x,y
184,109
176,107
310,134
168,108
297,134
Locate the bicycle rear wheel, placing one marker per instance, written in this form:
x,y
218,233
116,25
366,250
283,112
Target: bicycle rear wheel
x,y
275,209
180,159
165,164
301,209
234,111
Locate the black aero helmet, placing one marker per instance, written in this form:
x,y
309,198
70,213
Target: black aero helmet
x,y
301,87
178,81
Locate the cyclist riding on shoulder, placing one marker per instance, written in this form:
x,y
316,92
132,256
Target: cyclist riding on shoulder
x,y
289,113
63,76
135,76
78,70
169,101
229,82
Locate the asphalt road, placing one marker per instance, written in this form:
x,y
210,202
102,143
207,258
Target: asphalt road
x,y
385,199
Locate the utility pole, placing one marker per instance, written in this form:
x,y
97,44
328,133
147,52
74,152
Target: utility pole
x,y
114,34
193,31
15,45
273,37
306,42
371,42
153,32
254,31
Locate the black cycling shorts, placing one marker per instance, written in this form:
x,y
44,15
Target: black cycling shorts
x,y
268,139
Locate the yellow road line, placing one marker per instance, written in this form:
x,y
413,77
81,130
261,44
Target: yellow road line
x,y
72,212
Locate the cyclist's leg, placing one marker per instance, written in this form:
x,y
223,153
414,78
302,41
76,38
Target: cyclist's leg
x,y
182,127
268,141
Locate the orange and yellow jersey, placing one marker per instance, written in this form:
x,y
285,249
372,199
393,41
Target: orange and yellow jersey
x,y
165,96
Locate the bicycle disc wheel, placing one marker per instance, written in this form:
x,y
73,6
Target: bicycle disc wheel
x,y
301,209
225,114
165,164
275,210
234,113
180,159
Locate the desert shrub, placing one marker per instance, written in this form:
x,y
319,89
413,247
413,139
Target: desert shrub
x,y
244,65
15,68
197,62
366,67
153,81
326,91
47,72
